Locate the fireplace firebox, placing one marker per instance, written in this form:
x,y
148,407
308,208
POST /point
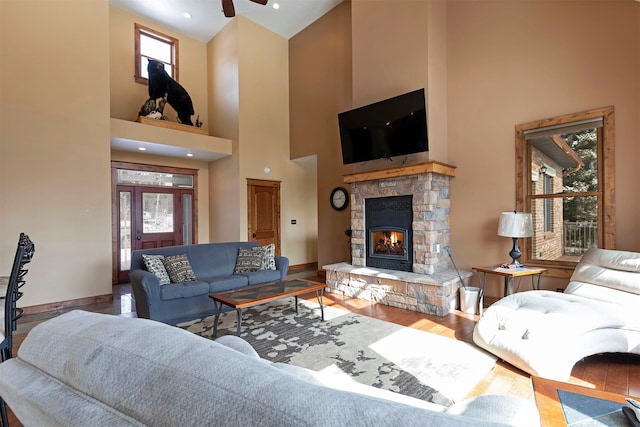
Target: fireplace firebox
x,y
389,233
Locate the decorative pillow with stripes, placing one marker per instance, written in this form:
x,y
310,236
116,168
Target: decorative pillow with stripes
x,y
179,269
248,260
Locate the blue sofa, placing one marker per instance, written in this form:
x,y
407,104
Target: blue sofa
x,y
213,265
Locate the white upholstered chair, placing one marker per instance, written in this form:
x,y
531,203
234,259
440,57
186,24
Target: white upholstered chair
x,y
545,333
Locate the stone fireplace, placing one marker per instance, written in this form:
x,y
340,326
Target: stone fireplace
x,y
399,229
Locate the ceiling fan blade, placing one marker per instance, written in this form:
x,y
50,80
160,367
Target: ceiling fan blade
x,y
228,9
262,2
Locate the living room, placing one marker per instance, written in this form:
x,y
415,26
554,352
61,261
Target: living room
x,y
486,66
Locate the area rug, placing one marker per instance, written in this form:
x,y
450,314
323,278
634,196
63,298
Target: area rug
x,y
371,351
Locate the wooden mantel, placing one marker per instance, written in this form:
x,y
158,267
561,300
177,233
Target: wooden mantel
x,y
433,167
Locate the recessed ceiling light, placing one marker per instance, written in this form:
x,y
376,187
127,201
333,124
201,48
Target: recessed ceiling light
x,y
187,15
142,149
276,5
189,154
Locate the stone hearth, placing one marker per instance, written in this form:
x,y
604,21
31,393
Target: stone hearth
x,y
433,285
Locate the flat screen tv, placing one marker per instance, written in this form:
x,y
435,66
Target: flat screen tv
x,y
393,127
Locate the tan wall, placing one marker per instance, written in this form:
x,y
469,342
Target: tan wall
x,y
320,88
127,96
515,62
54,146
202,195
250,105
224,174
400,46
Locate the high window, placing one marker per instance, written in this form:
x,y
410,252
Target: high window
x,y
565,178
151,44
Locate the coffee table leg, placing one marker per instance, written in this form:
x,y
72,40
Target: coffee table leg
x,y
239,310
218,307
296,297
319,294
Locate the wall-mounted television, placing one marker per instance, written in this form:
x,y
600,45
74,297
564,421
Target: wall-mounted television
x,y
394,127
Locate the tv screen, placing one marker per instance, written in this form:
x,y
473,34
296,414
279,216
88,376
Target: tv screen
x,y
393,127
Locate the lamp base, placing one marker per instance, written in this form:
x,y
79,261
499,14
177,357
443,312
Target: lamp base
x,y
515,253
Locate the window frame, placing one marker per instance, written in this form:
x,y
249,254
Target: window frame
x,y
171,41
604,193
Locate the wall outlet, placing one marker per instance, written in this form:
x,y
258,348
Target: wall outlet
x,y
436,248
294,222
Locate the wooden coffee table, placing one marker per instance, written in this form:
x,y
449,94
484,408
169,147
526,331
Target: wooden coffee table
x,y
548,401
253,295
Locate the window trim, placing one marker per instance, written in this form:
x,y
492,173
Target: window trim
x,y
173,42
606,184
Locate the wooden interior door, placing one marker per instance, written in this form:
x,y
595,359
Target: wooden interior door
x,y
264,212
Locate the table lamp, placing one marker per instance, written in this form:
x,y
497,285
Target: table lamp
x,y
515,225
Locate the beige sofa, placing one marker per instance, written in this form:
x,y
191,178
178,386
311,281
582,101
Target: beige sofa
x,y
545,333
88,369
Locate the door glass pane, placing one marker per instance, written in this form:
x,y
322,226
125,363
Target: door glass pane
x,y
157,213
134,177
187,217
125,230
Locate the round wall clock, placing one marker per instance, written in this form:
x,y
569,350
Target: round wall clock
x,y
339,198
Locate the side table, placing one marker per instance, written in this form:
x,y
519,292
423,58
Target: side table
x,y
509,274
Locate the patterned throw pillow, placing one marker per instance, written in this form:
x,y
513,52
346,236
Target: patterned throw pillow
x,y
248,261
154,265
179,268
268,256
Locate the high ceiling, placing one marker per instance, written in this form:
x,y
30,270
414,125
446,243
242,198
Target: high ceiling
x,y
207,18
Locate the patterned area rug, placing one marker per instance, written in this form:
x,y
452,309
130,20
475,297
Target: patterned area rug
x,y
371,351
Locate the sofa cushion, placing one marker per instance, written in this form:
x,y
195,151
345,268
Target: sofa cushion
x,y
215,259
183,290
155,265
262,276
248,260
179,268
226,283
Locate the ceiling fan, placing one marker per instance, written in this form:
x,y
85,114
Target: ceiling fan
x,y
230,11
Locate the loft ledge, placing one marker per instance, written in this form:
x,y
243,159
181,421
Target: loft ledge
x,y
171,125
427,167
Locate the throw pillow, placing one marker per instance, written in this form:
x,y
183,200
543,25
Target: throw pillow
x,y
179,268
248,261
154,265
268,257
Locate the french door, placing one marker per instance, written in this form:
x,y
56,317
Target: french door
x,y
151,214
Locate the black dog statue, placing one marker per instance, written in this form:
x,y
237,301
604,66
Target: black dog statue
x,y
161,85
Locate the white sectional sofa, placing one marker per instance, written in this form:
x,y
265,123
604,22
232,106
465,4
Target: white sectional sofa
x,y
88,369
545,333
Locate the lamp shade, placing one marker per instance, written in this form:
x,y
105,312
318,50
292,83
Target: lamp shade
x,y
515,224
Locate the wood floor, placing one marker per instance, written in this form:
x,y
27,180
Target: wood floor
x,y
616,373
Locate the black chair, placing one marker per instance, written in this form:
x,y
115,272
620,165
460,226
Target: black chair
x,y
11,312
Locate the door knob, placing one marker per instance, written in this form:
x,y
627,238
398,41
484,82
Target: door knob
x,y
254,235
138,237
